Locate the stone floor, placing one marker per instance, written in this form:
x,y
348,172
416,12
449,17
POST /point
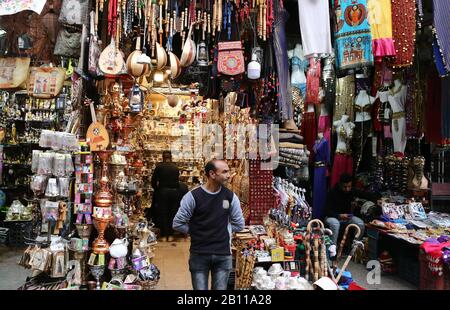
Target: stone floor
x,y
172,259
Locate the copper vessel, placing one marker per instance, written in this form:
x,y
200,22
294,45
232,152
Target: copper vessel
x,y
103,197
100,245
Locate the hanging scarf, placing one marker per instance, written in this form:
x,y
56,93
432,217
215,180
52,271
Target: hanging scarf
x,y
441,14
353,39
404,32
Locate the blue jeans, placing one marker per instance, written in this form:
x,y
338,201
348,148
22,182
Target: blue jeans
x,y
201,264
334,224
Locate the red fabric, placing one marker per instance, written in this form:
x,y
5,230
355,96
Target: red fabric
x,y
433,111
433,253
403,32
309,131
355,287
342,164
313,82
324,126
434,248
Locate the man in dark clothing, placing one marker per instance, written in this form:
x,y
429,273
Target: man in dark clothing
x,y
167,195
210,214
340,207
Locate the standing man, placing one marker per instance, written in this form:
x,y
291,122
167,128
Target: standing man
x,y
210,213
168,191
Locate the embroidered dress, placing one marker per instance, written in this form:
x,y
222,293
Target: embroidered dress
x,y
397,101
403,32
321,161
343,160
353,38
380,20
345,96
313,82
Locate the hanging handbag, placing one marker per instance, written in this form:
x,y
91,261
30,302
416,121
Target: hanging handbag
x,y
94,49
68,43
13,71
74,12
45,82
230,59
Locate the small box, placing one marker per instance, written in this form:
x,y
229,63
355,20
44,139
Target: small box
x,y
277,254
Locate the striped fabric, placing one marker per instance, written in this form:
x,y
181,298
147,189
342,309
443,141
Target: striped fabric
x,y
442,25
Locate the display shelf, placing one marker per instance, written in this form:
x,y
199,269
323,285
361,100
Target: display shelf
x,y
18,165
15,187
21,144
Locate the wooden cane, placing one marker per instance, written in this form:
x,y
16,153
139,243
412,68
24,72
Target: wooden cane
x,y
308,244
316,259
344,238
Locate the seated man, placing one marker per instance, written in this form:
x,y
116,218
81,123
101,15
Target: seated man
x,y
339,206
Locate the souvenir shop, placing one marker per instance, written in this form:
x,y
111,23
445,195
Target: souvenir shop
x,y
93,92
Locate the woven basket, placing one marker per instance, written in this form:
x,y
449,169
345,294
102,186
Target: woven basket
x,y
148,284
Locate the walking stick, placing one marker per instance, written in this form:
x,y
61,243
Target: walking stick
x,y
356,244
344,238
309,268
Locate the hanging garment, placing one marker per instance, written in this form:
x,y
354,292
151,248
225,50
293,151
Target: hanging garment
x,y
324,125
343,163
441,13
360,135
313,82
345,93
298,103
403,32
379,108
321,161
353,39
433,112
309,131
445,106
282,62
439,59
363,125
397,101
314,20
382,77
380,20
376,116
413,104
329,82
299,65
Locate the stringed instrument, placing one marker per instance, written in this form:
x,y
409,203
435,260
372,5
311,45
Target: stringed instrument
x,y
189,49
133,67
97,134
111,61
161,56
175,67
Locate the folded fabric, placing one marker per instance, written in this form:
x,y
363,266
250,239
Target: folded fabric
x,y
291,145
298,153
289,135
292,140
288,164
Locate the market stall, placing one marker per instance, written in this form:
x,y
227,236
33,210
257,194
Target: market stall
x,y
293,94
